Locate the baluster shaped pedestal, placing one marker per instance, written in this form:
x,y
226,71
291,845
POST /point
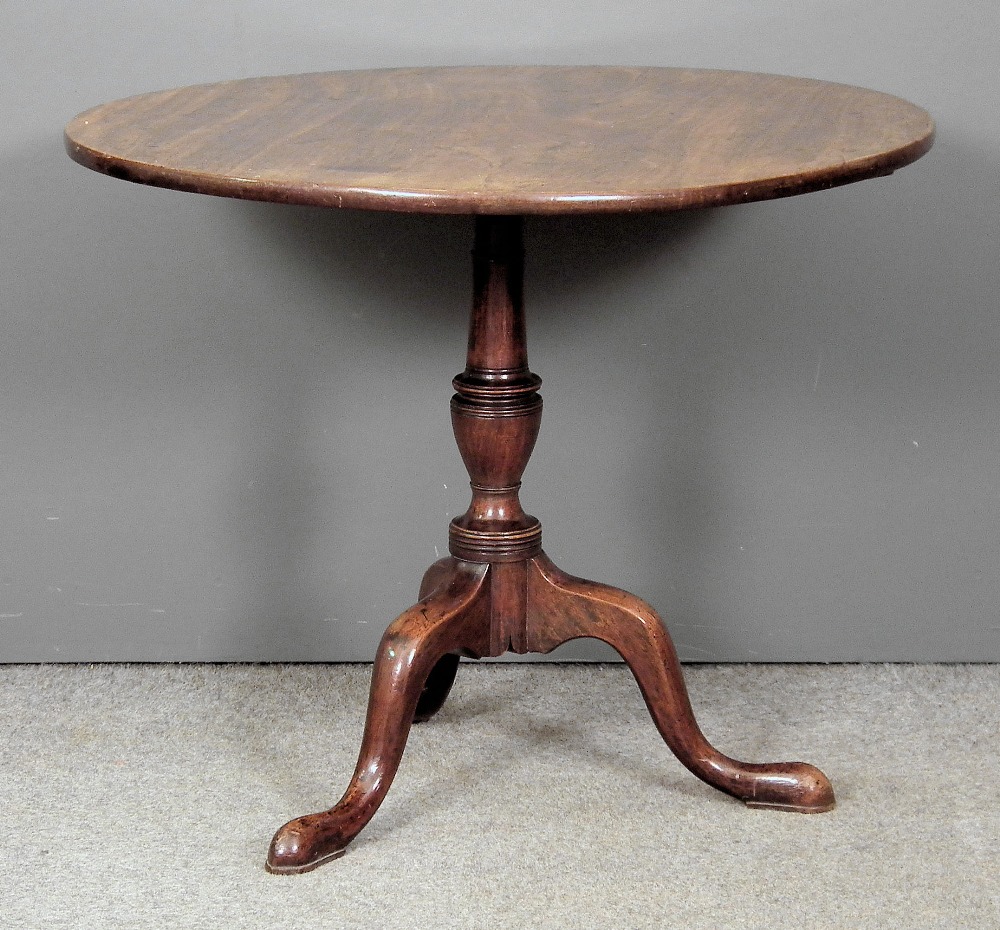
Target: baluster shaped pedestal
x,y
499,592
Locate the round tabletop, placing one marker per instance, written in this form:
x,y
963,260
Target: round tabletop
x,y
490,140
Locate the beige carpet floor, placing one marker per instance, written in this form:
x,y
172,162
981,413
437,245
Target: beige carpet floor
x,y
540,797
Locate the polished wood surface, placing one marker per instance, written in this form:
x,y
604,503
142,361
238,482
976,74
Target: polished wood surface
x,y
452,614
496,411
504,140
498,592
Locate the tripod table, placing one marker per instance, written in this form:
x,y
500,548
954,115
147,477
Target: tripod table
x,y
502,143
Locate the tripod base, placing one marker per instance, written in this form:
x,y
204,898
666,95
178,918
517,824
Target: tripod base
x,y
482,609
498,592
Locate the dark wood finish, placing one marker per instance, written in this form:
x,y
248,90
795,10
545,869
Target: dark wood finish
x,y
561,608
504,140
496,411
468,614
442,675
453,614
500,593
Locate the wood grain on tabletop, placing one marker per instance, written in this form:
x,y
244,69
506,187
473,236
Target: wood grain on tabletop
x,y
504,140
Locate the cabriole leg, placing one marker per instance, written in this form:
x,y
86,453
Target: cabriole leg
x,y
561,607
446,621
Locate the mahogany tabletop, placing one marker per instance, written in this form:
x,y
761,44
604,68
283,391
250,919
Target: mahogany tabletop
x,y
491,140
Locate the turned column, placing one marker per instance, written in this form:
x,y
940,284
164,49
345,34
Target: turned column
x,y
496,413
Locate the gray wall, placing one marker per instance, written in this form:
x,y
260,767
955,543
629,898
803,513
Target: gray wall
x,y
224,425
